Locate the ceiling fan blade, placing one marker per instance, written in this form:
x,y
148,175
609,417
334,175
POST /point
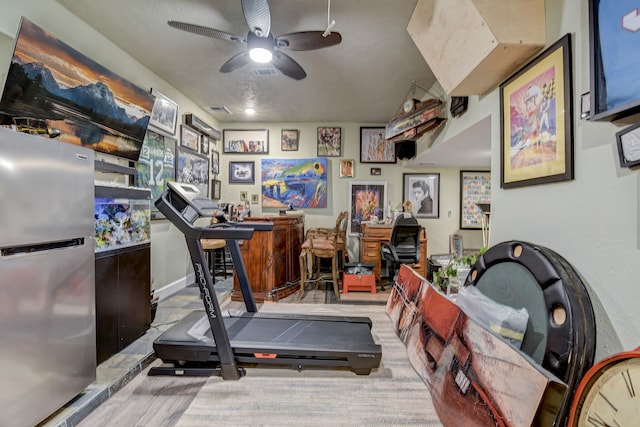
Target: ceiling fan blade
x,y
258,17
207,32
288,66
239,60
307,40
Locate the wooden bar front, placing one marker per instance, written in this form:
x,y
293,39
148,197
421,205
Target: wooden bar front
x,y
271,258
370,238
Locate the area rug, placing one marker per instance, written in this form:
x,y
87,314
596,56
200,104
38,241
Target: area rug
x,y
324,294
391,395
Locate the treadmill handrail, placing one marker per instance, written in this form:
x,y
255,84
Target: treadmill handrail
x,y
227,231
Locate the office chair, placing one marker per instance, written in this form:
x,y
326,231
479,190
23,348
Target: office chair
x,y
403,246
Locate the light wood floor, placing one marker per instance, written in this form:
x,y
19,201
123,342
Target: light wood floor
x,y
157,401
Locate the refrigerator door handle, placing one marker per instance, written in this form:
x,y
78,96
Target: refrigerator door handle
x,y
41,247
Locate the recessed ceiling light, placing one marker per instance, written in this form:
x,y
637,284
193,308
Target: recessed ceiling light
x,y
250,111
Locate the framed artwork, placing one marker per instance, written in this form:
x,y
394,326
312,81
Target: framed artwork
x,y
374,148
628,141
156,166
216,189
164,115
475,187
189,138
241,172
243,196
376,171
421,193
290,139
245,141
346,168
204,144
215,162
614,60
329,142
255,199
536,120
193,168
366,204
301,183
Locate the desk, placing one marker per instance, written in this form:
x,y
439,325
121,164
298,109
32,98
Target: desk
x,y
271,258
370,238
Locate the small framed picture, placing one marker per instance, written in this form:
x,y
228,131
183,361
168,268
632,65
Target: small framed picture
x,y
216,188
165,113
346,168
255,199
241,172
215,162
376,171
290,138
628,141
189,138
243,196
329,142
204,144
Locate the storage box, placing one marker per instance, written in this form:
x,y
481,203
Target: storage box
x,y
473,45
358,282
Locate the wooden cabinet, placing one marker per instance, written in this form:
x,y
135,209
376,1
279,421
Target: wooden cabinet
x,y
370,237
123,303
271,258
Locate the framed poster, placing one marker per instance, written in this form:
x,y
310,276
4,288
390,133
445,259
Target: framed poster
x,y
156,166
193,168
366,204
475,187
421,193
301,183
164,115
290,140
329,142
254,141
536,120
614,60
241,172
216,188
374,148
189,138
215,162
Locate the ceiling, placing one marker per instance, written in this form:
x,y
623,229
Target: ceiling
x,y
363,79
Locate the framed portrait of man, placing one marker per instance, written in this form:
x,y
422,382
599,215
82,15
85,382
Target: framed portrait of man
x,y
422,194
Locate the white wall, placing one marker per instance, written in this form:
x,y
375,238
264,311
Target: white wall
x,y
592,221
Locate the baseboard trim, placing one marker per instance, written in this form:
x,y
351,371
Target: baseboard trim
x,y
172,288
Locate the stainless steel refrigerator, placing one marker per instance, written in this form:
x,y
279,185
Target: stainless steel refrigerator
x,y
47,295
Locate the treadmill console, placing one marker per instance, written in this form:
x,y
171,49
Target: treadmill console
x,y
195,205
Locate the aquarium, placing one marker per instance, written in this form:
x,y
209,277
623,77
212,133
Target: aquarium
x,y
122,217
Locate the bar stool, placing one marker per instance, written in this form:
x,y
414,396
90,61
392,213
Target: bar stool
x,y
216,248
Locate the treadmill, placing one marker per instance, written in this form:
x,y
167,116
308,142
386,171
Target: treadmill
x,y
209,342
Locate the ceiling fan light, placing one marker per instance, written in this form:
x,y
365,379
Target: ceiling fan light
x,y
260,48
261,55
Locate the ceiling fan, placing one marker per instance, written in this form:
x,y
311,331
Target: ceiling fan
x,y
262,46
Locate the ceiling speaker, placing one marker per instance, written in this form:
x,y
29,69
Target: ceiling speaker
x,y
406,150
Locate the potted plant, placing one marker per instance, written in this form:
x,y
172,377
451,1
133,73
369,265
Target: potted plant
x,y
456,269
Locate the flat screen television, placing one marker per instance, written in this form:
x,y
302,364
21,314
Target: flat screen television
x,y
53,90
